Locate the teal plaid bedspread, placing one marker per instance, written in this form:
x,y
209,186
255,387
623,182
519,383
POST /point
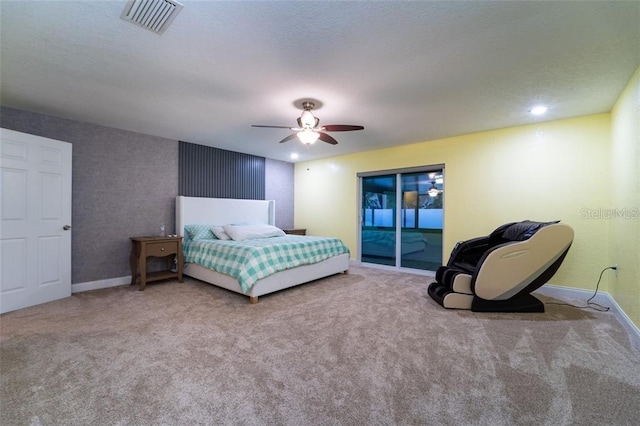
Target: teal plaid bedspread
x,y
250,260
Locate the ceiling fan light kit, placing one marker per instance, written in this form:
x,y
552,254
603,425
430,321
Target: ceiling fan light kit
x,y
308,137
309,129
433,191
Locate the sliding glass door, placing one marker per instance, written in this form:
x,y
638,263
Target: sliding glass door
x,y
378,234
402,218
421,220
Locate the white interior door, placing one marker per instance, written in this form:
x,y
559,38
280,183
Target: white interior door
x,y
35,220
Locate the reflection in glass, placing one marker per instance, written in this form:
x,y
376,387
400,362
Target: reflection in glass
x,y
421,220
378,225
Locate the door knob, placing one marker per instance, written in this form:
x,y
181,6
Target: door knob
x,y
66,227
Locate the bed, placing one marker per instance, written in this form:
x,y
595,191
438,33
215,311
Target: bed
x,y
225,211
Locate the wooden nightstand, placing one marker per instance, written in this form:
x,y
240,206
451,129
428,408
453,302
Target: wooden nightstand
x,y
145,247
297,231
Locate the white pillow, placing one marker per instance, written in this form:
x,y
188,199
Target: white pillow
x,y
252,232
220,233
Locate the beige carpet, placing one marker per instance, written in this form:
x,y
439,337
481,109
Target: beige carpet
x,y
368,348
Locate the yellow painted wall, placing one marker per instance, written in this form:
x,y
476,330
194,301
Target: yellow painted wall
x,y
625,189
555,170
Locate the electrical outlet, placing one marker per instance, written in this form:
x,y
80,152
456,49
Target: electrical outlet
x,y
616,269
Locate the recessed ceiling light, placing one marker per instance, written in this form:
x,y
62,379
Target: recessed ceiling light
x,y
294,156
538,110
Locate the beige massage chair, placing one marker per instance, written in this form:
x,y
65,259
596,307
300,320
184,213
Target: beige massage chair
x,y
497,273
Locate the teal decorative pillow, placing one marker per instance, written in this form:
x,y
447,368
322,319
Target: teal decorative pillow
x,y
199,232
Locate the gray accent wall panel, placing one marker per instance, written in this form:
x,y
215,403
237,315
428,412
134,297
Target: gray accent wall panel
x,y
279,176
123,184
206,171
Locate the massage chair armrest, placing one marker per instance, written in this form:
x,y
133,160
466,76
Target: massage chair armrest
x,y
510,268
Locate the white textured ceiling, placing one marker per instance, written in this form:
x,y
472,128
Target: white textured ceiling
x,y
406,71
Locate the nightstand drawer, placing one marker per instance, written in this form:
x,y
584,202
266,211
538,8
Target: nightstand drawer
x,y
161,249
298,231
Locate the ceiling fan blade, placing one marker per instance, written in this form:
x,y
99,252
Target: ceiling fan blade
x,y
341,127
288,138
328,139
273,127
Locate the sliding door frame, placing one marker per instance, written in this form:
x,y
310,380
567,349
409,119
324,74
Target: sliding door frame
x,y
398,213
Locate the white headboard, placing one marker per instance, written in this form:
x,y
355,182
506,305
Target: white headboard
x,y
222,211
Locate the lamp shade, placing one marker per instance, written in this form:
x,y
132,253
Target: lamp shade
x,y
307,119
308,136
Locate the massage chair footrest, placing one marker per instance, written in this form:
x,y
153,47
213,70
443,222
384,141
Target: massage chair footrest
x,y
452,300
449,299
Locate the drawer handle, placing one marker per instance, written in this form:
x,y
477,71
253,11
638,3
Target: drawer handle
x,y
162,249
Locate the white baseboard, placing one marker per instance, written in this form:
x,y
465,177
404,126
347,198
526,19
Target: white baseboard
x,y
96,285
601,298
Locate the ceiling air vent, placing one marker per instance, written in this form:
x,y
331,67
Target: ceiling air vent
x,y
154,15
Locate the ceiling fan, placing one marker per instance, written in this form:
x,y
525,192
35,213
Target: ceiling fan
x,y
309,129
